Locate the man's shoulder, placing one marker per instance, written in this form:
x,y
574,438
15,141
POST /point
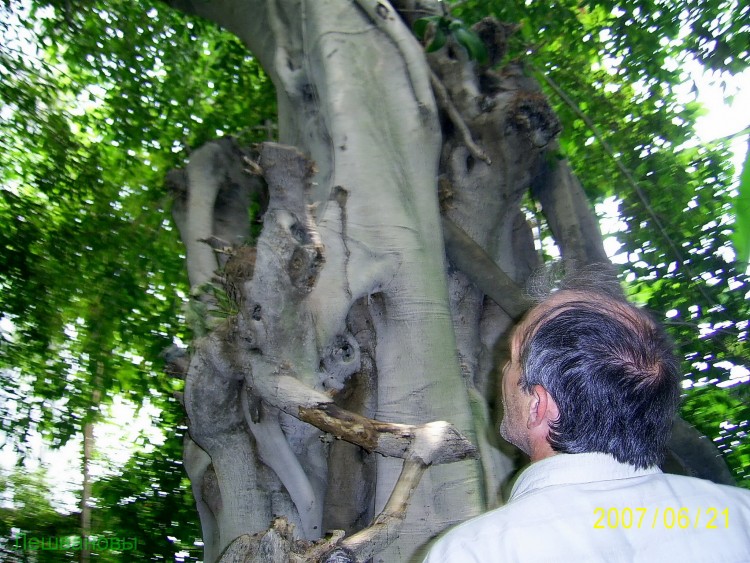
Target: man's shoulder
x,y
569,501
662,486
701,484
634,514
695,486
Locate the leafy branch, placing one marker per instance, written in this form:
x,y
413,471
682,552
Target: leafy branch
x,y
440,28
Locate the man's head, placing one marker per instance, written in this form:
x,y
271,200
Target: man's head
x,y
590,373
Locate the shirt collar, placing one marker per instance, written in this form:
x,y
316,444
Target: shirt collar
x,y
568,469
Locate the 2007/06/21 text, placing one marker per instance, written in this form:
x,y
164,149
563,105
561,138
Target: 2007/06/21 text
x,y
668,518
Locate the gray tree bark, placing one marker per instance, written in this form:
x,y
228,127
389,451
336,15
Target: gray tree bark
x,y
377,298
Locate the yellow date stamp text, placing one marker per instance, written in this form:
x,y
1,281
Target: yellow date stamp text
x,y
665,518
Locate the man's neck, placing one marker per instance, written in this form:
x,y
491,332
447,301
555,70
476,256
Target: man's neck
x,y
541,449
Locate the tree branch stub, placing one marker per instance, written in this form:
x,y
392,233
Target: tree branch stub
x,y
431,443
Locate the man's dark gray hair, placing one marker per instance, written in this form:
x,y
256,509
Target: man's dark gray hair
x,y
610,368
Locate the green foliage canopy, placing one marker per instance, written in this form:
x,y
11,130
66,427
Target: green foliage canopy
x,y
96,105
99,99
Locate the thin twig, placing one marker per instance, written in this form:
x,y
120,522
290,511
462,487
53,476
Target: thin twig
x,y
445,102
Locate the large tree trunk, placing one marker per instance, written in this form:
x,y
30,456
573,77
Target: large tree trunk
x,y
354,94
346,304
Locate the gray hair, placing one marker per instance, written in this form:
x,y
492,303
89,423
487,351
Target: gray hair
x,y
597,278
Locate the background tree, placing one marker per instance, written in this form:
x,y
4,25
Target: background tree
x,y
118,91
31,513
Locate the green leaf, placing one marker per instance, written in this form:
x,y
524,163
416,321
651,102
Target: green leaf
x,y
437,41
473,44
420,26
741,236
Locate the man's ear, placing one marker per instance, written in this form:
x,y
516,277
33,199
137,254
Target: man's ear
x,y
542,407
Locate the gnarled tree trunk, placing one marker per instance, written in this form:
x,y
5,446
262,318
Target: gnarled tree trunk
x,y
351,320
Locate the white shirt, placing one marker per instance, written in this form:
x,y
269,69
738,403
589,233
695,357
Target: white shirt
x,y
590,507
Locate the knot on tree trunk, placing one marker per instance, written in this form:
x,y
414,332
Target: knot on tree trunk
x,y
532,117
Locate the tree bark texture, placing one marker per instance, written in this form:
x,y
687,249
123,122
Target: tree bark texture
x,y
377,298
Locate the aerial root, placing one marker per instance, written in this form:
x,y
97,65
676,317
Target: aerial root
x,y
446,104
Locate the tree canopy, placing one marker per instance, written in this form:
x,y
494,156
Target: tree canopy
x,y
99,99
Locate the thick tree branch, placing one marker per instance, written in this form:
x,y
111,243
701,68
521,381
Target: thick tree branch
x,y
481,269
375,538
391,24
431,443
